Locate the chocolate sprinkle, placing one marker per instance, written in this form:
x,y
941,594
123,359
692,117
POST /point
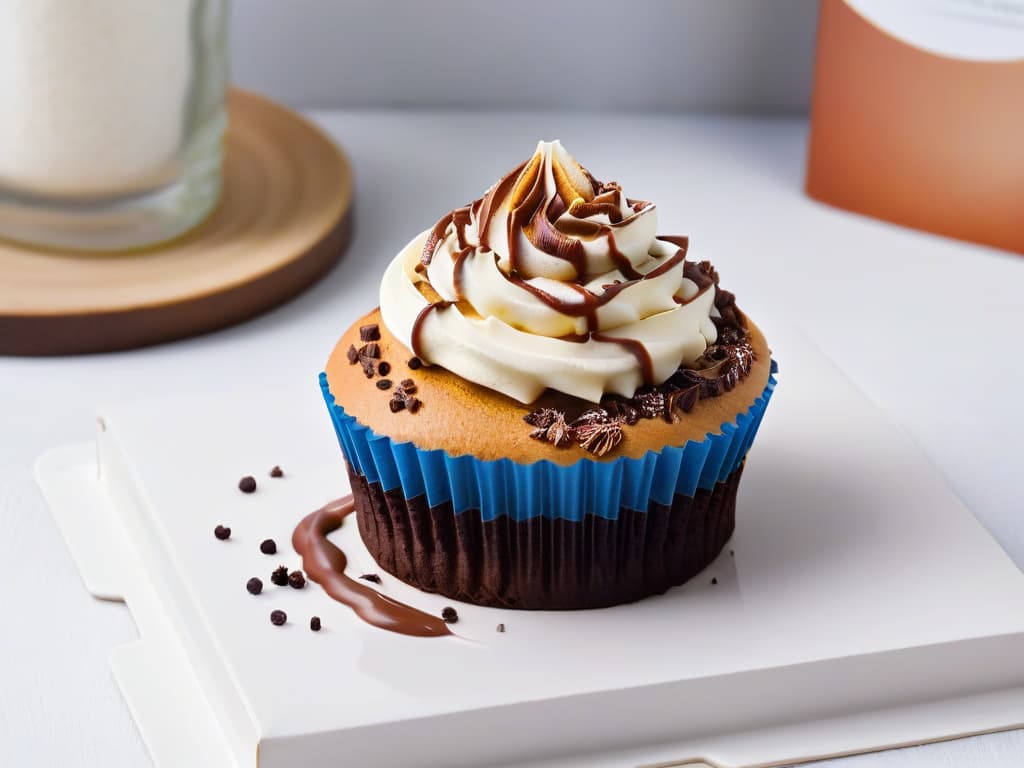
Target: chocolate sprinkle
x,y
384,368
280,576
247,484
371,577
314,623
254,586
352,354
268,547
369,332
222,532
450,615
277,618
296,580
415,363
277,472
383,383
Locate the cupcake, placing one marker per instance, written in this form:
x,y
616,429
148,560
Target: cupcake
x,y
552,405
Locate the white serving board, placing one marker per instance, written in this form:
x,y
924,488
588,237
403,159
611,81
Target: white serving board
x,y
864,607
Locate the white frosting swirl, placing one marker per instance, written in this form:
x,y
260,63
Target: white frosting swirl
x,y
551,280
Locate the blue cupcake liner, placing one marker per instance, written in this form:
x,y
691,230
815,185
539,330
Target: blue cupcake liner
x,y
524,491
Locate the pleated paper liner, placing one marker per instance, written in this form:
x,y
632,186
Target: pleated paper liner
x,y
542,535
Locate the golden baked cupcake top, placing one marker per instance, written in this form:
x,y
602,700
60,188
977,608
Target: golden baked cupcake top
x,y
552,300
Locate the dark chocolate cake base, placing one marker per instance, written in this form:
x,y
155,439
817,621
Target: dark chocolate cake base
x,y
542,563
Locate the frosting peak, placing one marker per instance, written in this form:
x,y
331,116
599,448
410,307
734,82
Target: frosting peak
x,y
551,279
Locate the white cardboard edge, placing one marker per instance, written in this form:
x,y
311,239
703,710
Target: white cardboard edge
x,y
153,673
156,678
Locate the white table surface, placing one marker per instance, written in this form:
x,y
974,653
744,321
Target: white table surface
x,y
928,327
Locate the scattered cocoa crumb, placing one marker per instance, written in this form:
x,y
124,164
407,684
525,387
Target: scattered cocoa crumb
x,y
247,484
280,576
450,615
268,547
371,577
550,427
415,363
412,404
369,366
371,350
383,383
714,580
352,354
314,623
296,580
277,618
408,386
501,627
384,368
397,403
277,472
254,586
222,532
369,332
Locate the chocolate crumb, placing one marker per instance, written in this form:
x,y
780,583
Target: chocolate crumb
x,y
371,577
369,366
277,472
222,532
268,547
408,385
714,580
731,553
501,627
450,615
247,484
314,623
369,332
383,383
352,354
277,618
280,576
296,580
254,586
384,368
415,363
413,404
371,350
397,403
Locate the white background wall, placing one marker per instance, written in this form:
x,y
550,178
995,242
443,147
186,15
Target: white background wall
x,y
661,54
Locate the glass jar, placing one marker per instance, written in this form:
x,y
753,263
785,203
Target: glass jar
x,y
112,120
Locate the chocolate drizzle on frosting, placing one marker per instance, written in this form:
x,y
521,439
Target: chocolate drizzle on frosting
x,y
325,564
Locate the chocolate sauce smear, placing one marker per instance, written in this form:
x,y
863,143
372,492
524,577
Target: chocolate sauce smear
x,y
325,564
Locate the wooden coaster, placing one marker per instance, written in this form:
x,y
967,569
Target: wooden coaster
x,y
282,222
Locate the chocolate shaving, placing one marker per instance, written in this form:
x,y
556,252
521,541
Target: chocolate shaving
x,y
370,350
598,438
542,417
352,354
554,430
369,332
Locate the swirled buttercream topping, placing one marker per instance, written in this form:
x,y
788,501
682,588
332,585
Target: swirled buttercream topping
x,y
551,280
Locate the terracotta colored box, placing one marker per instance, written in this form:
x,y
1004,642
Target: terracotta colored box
x,y
918,115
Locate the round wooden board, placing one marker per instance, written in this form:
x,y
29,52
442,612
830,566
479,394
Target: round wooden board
x,y
282,222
